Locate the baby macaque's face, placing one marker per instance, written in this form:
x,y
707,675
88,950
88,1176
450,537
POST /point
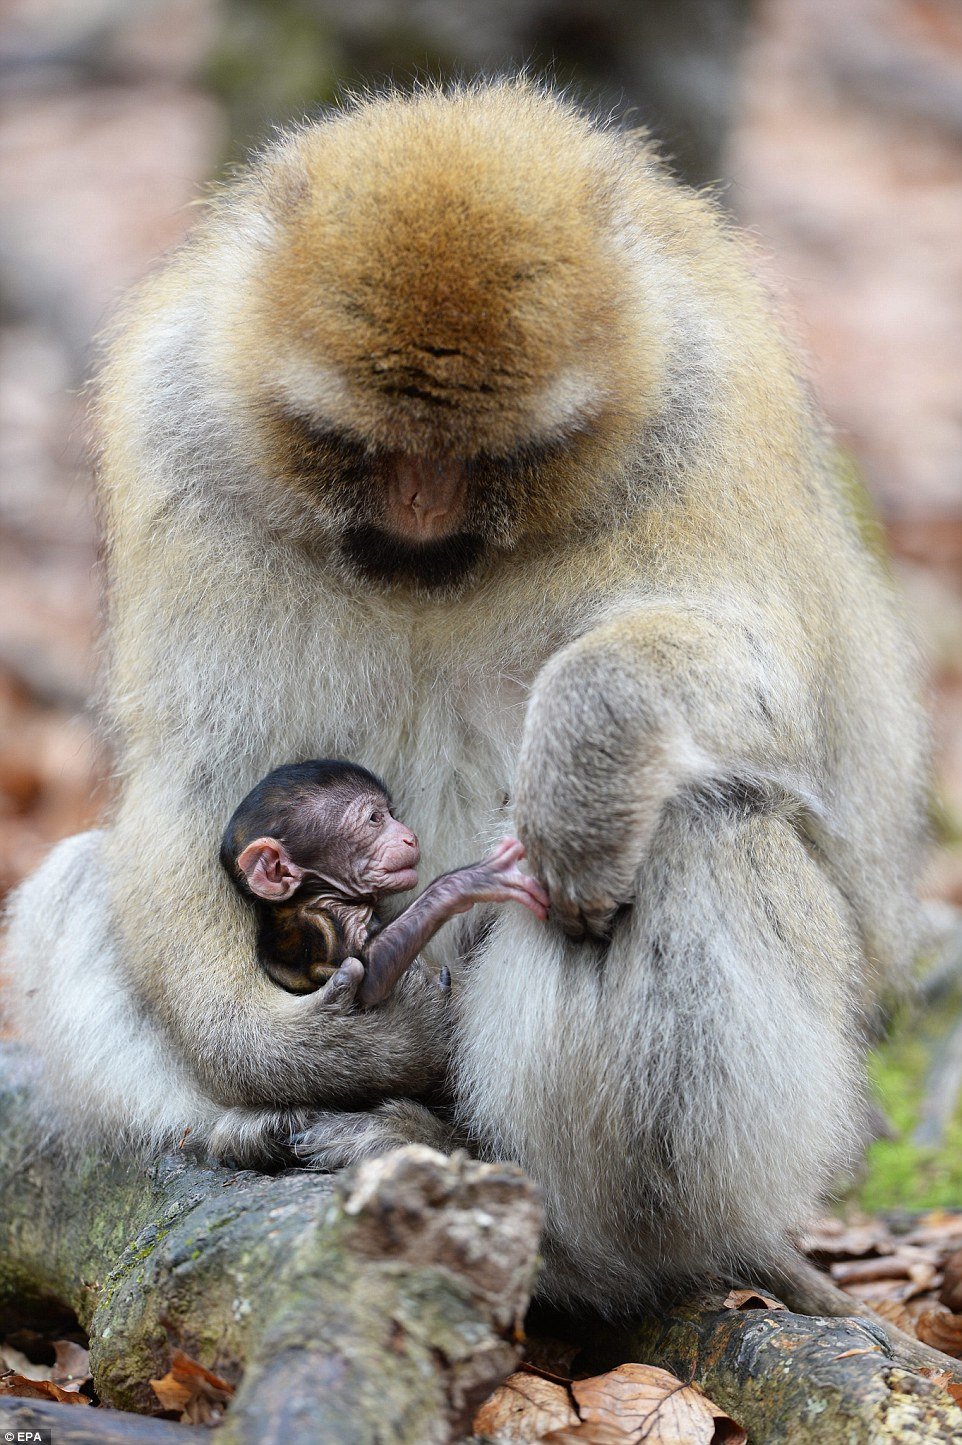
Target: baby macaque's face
x,y
344,841
379,854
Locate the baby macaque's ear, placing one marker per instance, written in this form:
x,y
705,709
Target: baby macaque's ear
x,y
270,871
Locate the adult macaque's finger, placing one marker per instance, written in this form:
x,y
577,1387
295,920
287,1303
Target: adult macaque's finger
x,y
376,986
568,914
590,918
342,987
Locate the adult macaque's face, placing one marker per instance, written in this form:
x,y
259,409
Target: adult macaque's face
x,y
424,497
424,517
443,357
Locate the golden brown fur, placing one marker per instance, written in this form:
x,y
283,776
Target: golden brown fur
x,y
662,650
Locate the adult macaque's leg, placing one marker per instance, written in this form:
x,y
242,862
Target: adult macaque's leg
x,y
325,1139
684,1092
626,718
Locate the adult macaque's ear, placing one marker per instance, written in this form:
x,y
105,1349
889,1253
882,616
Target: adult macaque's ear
x,y
269,869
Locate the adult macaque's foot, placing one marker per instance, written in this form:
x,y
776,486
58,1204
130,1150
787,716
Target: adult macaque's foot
x,y
335,1139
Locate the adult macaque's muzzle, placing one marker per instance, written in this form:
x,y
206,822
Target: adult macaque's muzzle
x,y
425,496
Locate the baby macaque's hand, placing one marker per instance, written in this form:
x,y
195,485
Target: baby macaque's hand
x,y
498,879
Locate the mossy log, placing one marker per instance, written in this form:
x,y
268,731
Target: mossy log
x,y
382,1307
790,1379
74,1425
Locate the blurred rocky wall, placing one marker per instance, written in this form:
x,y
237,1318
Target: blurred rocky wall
x,y
846,161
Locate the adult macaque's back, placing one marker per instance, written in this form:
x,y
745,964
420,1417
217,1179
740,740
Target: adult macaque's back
x,y
458,440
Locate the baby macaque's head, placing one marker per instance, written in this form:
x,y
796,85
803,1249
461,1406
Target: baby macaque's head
x,y
316,828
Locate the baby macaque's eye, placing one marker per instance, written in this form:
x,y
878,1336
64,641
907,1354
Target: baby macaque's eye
x,y
376,817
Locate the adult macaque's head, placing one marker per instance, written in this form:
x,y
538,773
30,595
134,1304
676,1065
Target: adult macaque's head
x,y
443,349
319,827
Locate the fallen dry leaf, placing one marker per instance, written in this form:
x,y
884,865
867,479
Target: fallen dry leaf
x,y
941,1227
941,1329
750,1299
21,1364
950,1294
891,1266
171,1392
20,1386
640,1403
525,1408
197,1395
828,1239
72,1366
894,1312
899,1291
915,1308
944,1380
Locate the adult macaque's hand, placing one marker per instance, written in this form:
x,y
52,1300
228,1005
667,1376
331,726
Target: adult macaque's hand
x,y
593,775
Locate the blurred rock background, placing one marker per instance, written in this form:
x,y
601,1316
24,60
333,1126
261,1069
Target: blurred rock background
x,y
835,134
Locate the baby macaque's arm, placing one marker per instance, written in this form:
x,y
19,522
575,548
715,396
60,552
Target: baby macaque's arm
x,y
496,879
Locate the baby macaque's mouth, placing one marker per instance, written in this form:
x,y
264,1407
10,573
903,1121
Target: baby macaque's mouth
x,y
424,496
404,878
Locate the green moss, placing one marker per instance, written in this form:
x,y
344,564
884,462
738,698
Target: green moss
x,y
901,1174
273,62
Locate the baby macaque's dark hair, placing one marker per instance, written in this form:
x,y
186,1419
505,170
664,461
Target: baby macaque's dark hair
x,y
275,807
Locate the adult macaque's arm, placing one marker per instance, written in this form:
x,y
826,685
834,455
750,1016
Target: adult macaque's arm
x,y
248,1042
496,879
623,720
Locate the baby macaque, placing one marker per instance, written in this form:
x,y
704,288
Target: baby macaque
x,y
316,846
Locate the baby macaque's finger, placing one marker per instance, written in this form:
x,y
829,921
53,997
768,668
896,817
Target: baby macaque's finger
x,y
513,886
508,851
444,980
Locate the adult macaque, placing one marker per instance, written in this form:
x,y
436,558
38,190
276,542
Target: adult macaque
x,y
316,847
459,438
